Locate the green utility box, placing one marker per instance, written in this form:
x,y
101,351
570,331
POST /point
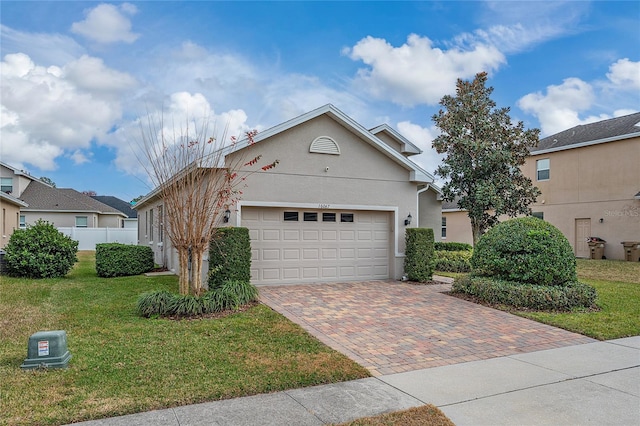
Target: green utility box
x,y
47,349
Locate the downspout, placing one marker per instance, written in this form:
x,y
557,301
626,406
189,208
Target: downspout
x,y
426,188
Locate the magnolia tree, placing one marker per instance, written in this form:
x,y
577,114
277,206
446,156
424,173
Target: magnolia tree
x,y
197,182
483,154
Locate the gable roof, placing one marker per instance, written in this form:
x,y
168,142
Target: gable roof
x,y
42,197
614,129
417,174
12,200
18,172
117,204
406,146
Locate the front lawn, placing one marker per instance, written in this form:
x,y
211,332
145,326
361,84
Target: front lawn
x,y
124,364
618,286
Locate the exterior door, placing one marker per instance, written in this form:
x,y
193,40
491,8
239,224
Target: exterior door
x,y
583,231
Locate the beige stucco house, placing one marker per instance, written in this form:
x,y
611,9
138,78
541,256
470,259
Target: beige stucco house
x,y
334,209
589,177
10,216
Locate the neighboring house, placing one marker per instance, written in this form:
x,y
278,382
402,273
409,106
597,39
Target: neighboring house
x,y
334,209
456,224
10,216
63,207
589,176
132,216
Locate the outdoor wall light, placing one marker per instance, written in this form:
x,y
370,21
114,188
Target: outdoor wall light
x,y
601,220
227,215
407,221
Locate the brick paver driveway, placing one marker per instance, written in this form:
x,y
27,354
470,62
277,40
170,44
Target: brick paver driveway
x,y
391,327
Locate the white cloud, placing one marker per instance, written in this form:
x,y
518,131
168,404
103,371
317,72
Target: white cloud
x,y
46,49
559,108
47,111
89,73
417,72
107,23
625,74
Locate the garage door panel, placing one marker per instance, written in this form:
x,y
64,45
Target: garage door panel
x,y
347,235
291,273
311,235
291,234
311,273
311,251
310,254
271,235
270,254
329,235
291,254
329,254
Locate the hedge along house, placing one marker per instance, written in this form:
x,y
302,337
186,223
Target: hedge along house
x,y
334,209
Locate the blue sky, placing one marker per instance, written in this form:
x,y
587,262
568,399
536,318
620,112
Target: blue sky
x,y
76,76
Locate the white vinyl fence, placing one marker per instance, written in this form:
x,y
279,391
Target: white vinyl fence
x,y
89,237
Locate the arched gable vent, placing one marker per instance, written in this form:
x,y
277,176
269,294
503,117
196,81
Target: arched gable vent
x,y
324,145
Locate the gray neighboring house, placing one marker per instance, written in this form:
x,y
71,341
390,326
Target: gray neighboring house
x,y
66,207
334,209
132,216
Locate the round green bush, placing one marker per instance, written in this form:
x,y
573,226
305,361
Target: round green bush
x,y
40,251
527,250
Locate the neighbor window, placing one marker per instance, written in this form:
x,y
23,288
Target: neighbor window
x,y
539,215
346,217
444,228
22,222
328,217
6,185
291,216
542,169
81,221
310,216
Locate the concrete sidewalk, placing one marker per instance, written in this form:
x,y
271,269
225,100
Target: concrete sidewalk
x,y
594,383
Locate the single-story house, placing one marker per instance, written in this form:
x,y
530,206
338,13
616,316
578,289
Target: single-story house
x,y
334,209
132,215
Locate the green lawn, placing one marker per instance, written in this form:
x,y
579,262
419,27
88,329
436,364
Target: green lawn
x,y
124,364
618,286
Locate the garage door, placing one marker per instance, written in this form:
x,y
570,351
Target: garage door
x,y
302,245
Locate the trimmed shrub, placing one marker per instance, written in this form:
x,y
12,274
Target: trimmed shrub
x,y
453,261
527,250
229,256
452,246
419,258
539,297
118,260
40,251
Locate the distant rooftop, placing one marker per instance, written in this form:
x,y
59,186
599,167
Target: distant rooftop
x,y
601,131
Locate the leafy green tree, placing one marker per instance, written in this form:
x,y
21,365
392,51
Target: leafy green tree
x,y
483,154
48,181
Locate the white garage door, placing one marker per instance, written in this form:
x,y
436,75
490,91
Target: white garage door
x,y
302,245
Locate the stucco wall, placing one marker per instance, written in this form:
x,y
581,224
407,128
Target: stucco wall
x,y
458,227
10,221
593,182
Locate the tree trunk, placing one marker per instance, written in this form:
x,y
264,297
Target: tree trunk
x,y
476,230
183,280
196,271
